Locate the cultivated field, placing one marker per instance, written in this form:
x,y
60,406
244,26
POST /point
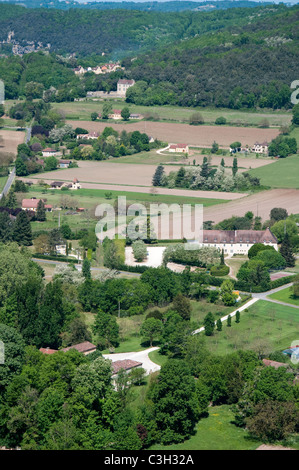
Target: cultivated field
x,y
203,136
11,140
260,204
122,177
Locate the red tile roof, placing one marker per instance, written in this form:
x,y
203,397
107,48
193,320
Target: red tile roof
x,y
48,350
33,203
125,364
84,347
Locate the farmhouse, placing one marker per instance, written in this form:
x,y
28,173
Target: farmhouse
x,y
182,148
126,365
31,205
237,241
116,114
260,148
123,85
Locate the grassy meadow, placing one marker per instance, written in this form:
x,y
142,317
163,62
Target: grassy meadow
x,y
82,110
280,174
266,326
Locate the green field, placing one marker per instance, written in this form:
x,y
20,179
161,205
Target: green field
x,y
216,432
82,110
266,325
280,174
285,295
3,180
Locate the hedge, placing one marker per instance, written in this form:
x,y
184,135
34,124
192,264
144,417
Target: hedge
x,y
58,258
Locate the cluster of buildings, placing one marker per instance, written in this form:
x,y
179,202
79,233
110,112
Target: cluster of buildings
x,y
258,147
26,47
122,87
99,69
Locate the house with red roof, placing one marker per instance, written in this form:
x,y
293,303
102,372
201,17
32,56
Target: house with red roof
x,y
180,148
31,205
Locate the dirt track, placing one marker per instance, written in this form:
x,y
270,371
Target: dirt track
x,y
184,133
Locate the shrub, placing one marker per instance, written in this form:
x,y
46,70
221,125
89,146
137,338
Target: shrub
x,y
221,270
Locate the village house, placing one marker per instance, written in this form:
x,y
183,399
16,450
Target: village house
x,y
181,148
126,365
49,152
260,147
31,205
237,241
116,114
123,85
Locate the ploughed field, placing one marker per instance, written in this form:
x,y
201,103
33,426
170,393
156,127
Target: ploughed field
x,y
203,136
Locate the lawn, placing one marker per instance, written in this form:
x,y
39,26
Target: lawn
x,y
285,295
280,174
216,432
3,180
266,326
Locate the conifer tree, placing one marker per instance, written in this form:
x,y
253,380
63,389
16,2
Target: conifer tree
x,y
229,321
41,211
157,178
286,251
235,166
219,324
22,233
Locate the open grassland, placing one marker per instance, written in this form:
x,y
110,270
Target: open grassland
x,y
285,295
283,173
203,136
3,180
216,432
266,326
83,109
11,140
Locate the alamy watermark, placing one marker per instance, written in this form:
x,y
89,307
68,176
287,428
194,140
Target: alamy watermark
x,y
2,92
2,352
295,94
155,221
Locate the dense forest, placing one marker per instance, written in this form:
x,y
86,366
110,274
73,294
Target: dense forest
x,y
112,31
238,67
237,58
143,6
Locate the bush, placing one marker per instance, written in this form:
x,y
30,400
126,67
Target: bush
x,y
221,270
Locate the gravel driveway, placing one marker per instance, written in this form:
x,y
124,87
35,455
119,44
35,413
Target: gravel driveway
x,y
141,356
